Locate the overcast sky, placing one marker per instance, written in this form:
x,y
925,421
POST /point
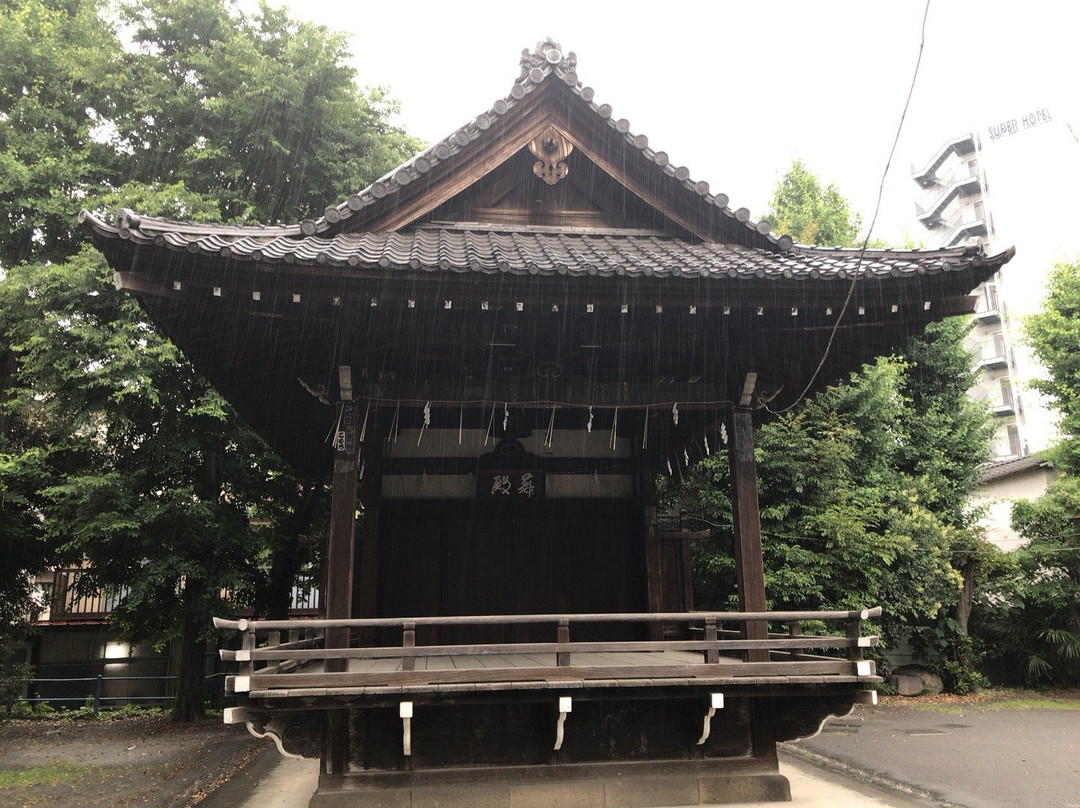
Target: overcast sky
x,y
735,91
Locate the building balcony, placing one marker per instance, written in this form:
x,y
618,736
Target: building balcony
x,y
1003,409
996,361
932,217
988,316
961,146
71,599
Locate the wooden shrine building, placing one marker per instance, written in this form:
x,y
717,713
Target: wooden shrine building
x,y
496,348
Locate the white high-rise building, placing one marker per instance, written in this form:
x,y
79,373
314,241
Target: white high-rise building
x,y
1004,186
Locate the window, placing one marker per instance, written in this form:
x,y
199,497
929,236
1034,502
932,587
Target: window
x,y
999,344
1006,393
1013,432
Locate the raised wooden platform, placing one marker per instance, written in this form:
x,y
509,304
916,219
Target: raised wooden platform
x,y
598,722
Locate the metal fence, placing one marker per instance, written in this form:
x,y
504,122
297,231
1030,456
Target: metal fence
x,y
95,691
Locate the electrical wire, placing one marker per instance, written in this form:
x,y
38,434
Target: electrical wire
x,y
866,241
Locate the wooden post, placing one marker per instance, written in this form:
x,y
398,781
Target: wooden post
x,y
749,566
685,559
339,573
653,592
408,640
712,654
562,658
340,552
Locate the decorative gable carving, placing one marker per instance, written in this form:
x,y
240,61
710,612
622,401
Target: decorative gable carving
x,y
551,148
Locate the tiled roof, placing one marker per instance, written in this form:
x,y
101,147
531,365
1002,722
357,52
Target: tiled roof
x,y
539,251
1007,468
547,62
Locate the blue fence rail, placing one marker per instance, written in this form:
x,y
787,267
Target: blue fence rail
x,y
95,693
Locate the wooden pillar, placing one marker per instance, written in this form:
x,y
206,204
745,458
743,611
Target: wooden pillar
x,y
340,552
749,565
653,581
339,573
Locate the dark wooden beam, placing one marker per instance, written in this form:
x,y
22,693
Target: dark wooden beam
x,y
749,565
339,563
653,592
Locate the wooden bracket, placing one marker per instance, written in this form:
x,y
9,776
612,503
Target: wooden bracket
x,y
716,702
566,705
405,710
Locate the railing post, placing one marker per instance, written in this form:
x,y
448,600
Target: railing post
x,y
408,640
854,631
247,643
794,629
97,695
712,653
562,658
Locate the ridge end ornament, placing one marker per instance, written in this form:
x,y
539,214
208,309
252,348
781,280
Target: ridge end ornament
x,y
551,148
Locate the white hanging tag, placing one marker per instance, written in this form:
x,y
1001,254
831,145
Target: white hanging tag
x,y
686,457
675,413
588,426
551,428
363,427
669,471
708,451
506,415
426,424
614,430
491,422
723,433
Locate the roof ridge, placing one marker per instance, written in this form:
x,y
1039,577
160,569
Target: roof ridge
x,y
546,60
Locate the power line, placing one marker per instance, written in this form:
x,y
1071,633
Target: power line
x,y
866,241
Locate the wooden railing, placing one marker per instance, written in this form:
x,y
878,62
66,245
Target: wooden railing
x,y
299,662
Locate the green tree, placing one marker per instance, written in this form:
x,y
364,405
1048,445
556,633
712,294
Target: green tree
x,y
1054,336
810,212
863,489
260,113
113,449
1035,614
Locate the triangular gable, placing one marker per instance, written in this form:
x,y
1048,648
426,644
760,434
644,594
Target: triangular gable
x,y
547,102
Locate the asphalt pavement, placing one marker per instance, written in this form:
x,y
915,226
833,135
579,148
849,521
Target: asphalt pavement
x,y
970,756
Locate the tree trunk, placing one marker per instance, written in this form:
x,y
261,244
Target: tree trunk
x,y
191,689
286,560
964,605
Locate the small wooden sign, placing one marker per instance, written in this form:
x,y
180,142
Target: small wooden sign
x,y
517,488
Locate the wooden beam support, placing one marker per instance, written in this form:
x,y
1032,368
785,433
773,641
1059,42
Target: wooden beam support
x,y
749,565
339,573
653,581
339,556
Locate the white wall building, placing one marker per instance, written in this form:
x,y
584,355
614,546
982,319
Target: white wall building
x,y
1011,183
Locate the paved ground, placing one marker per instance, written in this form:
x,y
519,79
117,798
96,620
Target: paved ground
x,y
137,761
974,756
273,782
